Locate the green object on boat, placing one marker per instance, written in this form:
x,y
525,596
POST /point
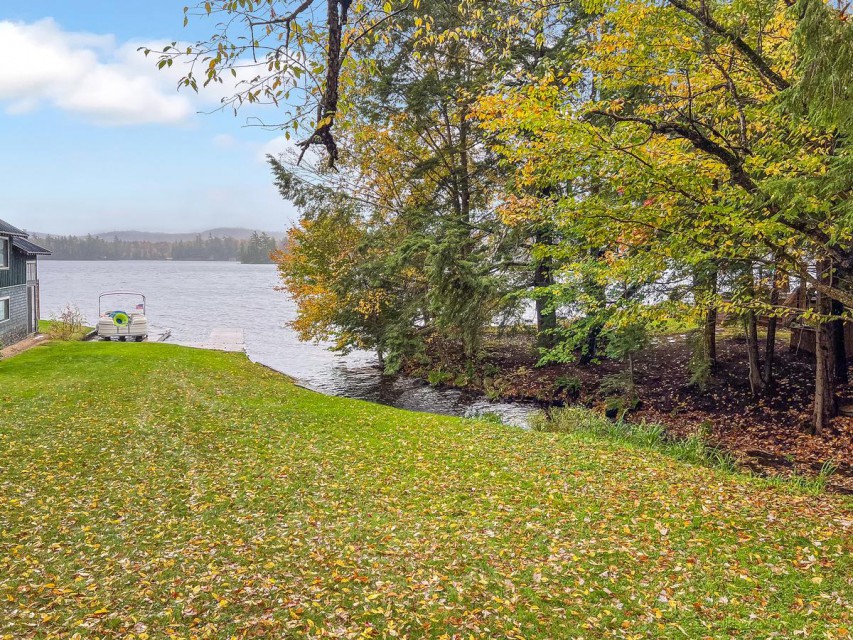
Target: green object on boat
x,y
120,318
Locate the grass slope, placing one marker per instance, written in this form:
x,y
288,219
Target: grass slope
x,y
155,491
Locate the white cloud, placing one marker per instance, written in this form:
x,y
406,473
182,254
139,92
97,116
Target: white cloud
x,y
87,74
276,147
225,141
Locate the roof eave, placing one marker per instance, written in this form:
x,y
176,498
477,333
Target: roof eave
x,y
29,248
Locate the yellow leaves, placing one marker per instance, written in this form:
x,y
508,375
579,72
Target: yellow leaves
x,y
517,210
370,303
372,521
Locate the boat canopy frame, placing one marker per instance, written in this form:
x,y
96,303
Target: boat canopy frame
x,y
121,293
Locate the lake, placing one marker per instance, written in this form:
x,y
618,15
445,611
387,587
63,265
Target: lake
x,y
193,298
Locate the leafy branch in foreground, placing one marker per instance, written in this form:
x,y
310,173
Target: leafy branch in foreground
x,y
290,54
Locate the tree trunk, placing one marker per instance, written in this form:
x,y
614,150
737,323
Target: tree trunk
x,y
756,384
546,316
703,359
709,337
825,407
590,349
708,281
769,352
597,292
770,344
839,347
543,276
824,397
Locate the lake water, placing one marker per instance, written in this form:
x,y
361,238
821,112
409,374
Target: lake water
x,y
193,298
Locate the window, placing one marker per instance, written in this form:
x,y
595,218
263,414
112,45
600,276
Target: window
x,y
4,253
4,309
32,274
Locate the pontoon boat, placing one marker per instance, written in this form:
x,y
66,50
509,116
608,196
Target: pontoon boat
x,y
120,323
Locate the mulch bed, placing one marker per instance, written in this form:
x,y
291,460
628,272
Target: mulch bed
x,y
768,434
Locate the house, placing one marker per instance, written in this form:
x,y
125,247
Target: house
x,y
19,285
803,334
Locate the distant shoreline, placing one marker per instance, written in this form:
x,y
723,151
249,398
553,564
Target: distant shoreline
x,y
236,233
257,248
52,259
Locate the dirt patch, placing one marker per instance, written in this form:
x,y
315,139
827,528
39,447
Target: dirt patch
x,y
23,345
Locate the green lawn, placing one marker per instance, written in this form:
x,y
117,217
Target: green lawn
x,y
149,490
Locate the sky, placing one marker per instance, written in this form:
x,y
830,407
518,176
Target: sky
x,y
94,138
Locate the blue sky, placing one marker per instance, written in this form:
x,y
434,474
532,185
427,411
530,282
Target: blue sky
x,y
93,138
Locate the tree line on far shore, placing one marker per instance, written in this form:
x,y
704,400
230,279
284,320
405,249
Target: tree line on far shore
x,y
255,250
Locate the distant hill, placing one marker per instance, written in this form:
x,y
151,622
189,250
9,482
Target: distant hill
x,y
238,233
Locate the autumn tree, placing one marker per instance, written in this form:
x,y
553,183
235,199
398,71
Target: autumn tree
x,y
629,161
685,133
426,184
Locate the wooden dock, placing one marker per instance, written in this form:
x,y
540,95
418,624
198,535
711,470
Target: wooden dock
x,y
223,339
152,337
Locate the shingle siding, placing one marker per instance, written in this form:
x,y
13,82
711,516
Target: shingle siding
x,y
17,272
14,329
13,284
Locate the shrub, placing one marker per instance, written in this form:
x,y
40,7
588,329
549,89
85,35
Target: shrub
x,y
699,366
692,449
569,384
620,394
487,416
462,380
437,377
494,388
68,325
